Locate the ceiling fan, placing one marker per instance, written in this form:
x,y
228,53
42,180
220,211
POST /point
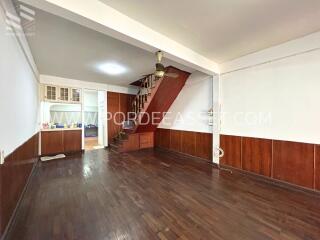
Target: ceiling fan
x,y
160,69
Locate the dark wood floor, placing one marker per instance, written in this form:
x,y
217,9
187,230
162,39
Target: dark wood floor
x,y
157,195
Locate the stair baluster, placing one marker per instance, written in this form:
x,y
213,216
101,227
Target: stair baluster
x,y
146,86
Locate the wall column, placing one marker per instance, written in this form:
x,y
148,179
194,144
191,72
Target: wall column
x,y
216,118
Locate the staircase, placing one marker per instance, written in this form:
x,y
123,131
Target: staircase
x,y
154,97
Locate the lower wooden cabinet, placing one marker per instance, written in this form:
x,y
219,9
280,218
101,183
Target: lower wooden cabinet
x,y
61,141
52,142
137,141
72,141
146,140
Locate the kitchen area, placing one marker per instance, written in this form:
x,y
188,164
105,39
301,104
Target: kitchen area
x,y
68,124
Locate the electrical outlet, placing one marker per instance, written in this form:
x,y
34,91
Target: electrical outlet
x,y
1,157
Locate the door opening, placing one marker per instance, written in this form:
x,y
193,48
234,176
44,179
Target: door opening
x,y
93,114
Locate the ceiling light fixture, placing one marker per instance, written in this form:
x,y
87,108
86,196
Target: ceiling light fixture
x,y
112,68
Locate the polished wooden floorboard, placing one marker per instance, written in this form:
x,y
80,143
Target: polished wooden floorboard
x,y
158,195
90,143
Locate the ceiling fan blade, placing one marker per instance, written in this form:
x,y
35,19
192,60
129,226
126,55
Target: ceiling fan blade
x,y
171,75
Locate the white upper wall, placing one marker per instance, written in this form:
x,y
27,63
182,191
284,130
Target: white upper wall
x,y
18,89
290,48
274,93
90,101
90,98
189,111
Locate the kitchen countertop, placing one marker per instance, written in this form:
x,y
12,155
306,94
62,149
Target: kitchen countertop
x,y
60,129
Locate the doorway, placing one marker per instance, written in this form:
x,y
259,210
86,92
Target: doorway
x,y
93,119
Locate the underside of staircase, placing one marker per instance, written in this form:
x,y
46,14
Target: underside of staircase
x,y
154,98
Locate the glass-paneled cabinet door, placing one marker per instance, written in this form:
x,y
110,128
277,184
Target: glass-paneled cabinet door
x,y
64,94
51,93
75,95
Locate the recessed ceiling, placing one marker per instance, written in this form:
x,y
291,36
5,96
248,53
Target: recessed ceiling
x,y
223,30
65,49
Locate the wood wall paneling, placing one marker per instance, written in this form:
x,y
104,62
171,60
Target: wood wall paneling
x,y
52,142
317,167
157,136
14,174
125,105
257,155
188,142
175,140
294,162
113,105
204,145
232,150
192,143
164,140
117,103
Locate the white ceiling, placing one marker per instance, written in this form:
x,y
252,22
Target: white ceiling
x,y
65,49
223,30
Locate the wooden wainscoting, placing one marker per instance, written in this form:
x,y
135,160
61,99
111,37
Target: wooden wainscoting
x,y
14,175
317,167
175,140
113,102
232,151
294,162
162,138
291,162
257,155
188,143
192,143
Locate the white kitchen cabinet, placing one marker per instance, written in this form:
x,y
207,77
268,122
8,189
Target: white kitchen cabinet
x,y
61,94
64,94
51,93
75,95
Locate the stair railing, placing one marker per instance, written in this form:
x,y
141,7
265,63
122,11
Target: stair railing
x,y
142,96
145,89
